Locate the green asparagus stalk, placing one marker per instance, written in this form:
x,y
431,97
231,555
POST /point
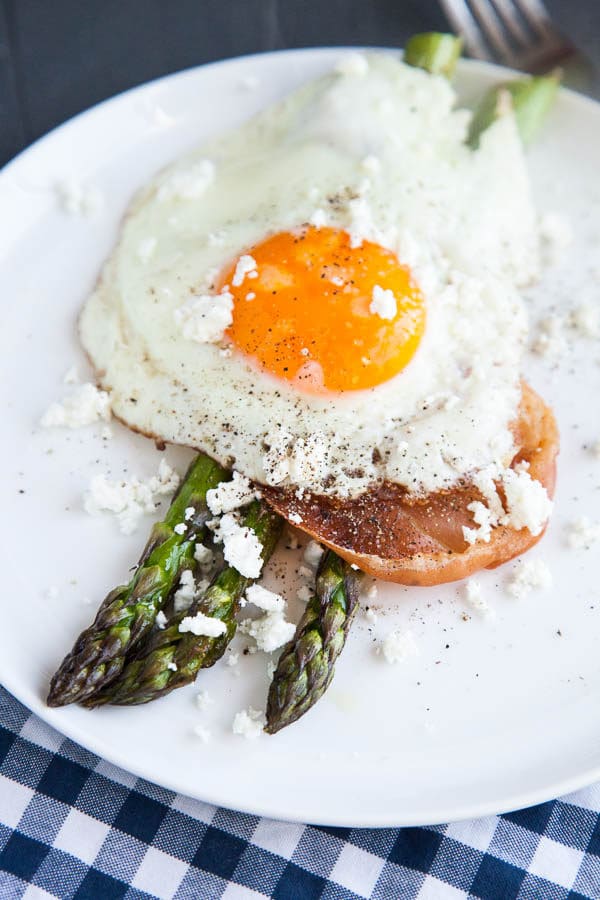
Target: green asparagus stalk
x,y
129,612
170,659
306,666
435,52
530,99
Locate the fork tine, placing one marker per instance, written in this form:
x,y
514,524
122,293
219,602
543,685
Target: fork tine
x,y
508,11
536,15
549,47
493,29
519,33
463,22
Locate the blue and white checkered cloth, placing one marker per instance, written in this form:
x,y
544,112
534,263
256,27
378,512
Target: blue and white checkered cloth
x,y
74,826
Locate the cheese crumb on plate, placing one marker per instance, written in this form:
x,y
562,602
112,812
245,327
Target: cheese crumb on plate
x,y
583,533
79,199
312,554
86,405
203,700
270,631
249,723
266,600
474,597
130,500
398,646
530,574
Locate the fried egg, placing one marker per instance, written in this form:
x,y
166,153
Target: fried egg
x,y
328,296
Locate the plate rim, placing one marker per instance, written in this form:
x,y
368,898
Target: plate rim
x,y
77,732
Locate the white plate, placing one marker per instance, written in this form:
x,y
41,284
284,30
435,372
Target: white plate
x,y
495,713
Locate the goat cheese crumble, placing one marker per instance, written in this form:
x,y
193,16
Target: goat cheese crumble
x,y
241,547
371,616
86,405
266,600
79,199
203,556
203,700
312,554
249,723
202,626
304,593
383,303
270,631
583,533
474,597
205,317
230,495
484,519
301,462
530,574
186,591
130,500
188,183
398,646
245,266
527,502
161,619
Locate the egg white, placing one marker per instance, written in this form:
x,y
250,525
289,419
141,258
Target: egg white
x,y
380,153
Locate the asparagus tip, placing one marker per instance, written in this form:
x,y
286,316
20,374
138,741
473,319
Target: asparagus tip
x,y
434,51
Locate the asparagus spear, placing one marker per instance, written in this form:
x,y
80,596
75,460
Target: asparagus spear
x,y
129,612
170,658
530,99
433,51
306,666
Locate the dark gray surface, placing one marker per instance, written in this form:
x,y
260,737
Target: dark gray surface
x,y
58,57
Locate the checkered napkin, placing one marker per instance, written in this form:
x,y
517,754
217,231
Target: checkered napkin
x,y
73,826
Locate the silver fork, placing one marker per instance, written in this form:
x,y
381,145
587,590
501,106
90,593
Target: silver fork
x,y
517,33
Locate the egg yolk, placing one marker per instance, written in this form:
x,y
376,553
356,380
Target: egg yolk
x,y
316,311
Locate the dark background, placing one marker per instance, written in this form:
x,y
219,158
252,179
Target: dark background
x,y
58,57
